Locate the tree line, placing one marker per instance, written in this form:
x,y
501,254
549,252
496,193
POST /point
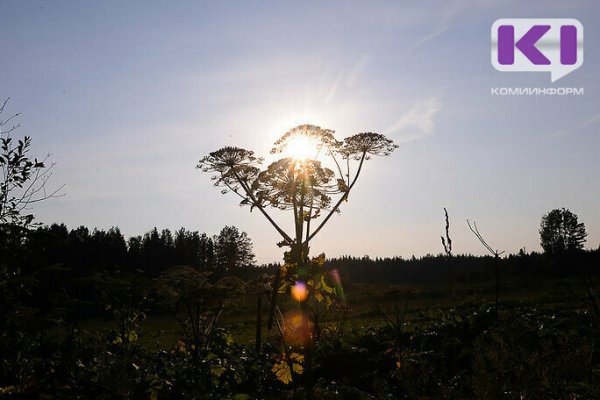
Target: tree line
x,y
85,251
466,268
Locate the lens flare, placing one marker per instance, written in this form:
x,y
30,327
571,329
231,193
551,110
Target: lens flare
x,y
335,276
297,328
299,291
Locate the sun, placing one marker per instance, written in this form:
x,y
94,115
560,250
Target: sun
x,y
302,147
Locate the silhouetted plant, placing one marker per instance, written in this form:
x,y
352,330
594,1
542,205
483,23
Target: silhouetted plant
x,y
23,179
496,255
196,302
302,185
447,243
233,249
560,231
23,182
127,304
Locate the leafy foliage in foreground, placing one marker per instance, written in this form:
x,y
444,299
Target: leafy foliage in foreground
x,y
463,352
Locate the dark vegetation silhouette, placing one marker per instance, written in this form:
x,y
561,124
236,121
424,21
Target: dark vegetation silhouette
x,y
23,179
447,244
561,232
233,249
88,313
23,182
99,250
69,281
496,255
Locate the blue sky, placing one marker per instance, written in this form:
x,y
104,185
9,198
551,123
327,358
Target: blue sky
x,y
127,96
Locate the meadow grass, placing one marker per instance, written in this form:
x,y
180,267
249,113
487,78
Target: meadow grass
x,y
365,303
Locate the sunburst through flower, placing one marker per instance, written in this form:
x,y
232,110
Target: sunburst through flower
x,y
302,147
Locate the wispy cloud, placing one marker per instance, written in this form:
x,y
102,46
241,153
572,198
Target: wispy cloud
x,y
578,127
356,70
333,87
417,122
347,78
426,38
442,26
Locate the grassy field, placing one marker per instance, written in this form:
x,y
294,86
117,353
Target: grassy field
x,y
387,341
365,302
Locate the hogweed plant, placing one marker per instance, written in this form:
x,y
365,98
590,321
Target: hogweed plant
x,y
300,184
